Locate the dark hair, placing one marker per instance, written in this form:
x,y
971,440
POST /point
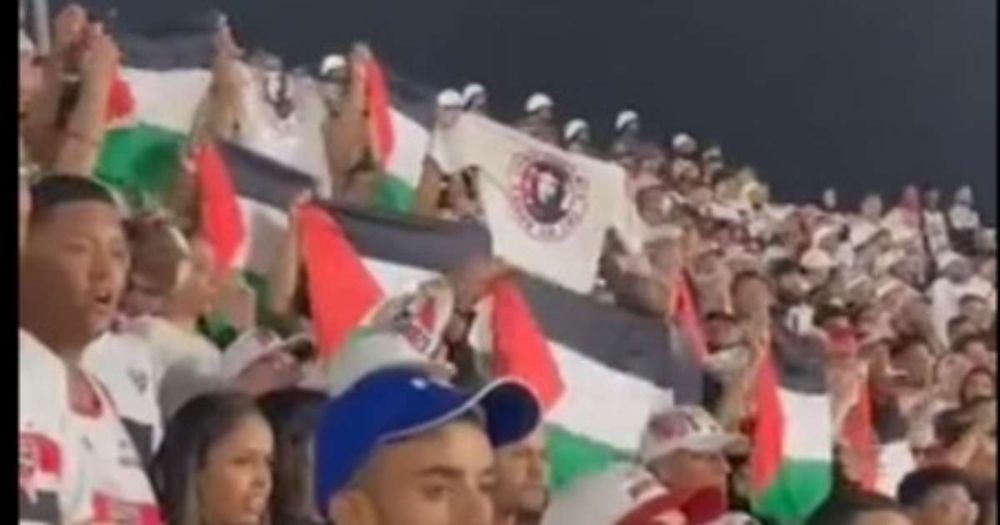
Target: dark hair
x,y
985,495
192,432
844,508
918,485
293,414
52,191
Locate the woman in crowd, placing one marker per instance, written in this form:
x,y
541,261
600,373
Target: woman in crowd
x,y
215,464
293,414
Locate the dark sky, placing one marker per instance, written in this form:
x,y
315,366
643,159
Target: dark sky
x,y
857,94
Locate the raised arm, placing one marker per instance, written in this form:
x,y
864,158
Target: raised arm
x,y
84,133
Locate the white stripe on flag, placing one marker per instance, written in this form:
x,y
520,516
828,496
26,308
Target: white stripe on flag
x,y
168,99
602,403
808,431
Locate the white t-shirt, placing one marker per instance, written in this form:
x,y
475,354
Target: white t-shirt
x,y
184,364
123,363
74,467
111,473
45,454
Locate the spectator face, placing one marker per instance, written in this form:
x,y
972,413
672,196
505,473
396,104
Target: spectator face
x,y
946,505
977,311
75,262
235,483
653,205
751,297
871,207
988,271
960,327
979,384
198,292
723,333
686,470
915,362
445,477
522,477
145,296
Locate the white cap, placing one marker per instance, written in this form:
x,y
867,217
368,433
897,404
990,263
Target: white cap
x,y
682,141
247,350
449,98
538,101
471,91
25,45
684,427
604,498
625,118
574,127
369,351
816,259
332,63
862,232
948,258
889,286
888,259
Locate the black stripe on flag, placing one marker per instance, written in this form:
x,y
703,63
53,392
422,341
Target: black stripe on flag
x,y
799,360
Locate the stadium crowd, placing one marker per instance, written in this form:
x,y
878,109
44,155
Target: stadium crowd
x,y
136,407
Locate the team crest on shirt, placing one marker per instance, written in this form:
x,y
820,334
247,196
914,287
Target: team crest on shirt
x,y
38,457
548,195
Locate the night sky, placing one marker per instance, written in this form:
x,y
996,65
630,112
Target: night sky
x,y
857,94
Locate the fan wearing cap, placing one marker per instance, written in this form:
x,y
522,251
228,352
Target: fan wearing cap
x,y
576,137
684,447
626,133
947,290
539,119
474,99
400,446
449,107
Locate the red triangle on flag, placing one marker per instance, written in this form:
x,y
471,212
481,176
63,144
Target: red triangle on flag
x,y
685,313
341,291
383,135
221,221
520,349
121,102
768,429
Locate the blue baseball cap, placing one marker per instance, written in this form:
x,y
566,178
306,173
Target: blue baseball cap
x,y
395,404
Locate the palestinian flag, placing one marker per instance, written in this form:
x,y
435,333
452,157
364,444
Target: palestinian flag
x,y
793,435
168,78
894,456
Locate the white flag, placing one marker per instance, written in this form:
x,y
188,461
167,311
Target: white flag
x,y
547,210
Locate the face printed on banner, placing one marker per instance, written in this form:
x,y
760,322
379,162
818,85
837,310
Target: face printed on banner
x,y
443,477
75,261
522,477
235,483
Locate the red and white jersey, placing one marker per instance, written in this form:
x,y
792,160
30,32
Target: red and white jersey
x,y
111,473
44,424
123,363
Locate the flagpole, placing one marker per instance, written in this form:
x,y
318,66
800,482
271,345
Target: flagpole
x,y
43,40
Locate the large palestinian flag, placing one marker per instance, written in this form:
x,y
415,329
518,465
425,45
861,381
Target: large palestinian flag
x,y
169,78
613,367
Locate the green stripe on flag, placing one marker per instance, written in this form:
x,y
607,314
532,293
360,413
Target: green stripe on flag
x,y
141,159
800,487
394,195
572,456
